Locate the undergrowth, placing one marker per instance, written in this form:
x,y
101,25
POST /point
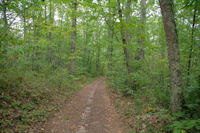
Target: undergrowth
x,y
144,101
142,113
139,115
28,98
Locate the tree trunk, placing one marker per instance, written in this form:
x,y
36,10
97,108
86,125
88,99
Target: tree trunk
x,y
45,17
122,31
192,44
51,21
24,25
97,57
5,14
110,38
5,22
162,53
98,49
86,51
141,40
51,17
173,54
128,11
73,37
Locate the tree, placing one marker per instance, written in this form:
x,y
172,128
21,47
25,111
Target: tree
x,y
128,17
123,36
173,54
73,37
192,42
4,7
141,40
110,36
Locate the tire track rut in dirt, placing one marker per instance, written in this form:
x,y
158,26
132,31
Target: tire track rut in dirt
x,y
89,111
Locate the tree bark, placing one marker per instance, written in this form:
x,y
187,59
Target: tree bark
x,y
73,37
173,54
124,41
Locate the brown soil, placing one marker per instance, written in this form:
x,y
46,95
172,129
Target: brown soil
x,y
89,111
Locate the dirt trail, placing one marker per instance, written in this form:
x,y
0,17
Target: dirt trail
x,y
89,111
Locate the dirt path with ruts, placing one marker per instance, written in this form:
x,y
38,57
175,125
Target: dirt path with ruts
x,y
89,111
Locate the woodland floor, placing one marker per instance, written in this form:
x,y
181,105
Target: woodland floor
x,y
89,111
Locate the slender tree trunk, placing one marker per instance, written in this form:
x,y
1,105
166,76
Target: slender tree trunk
x,y
5,14
110,48
122,31
5,20
25,33
98,51
73,37
162,53
110,39
45,16
60,42
97,57
89,60
128,11
192,44
173,54
51,18
86,51
50,33
128,28
33,56
24,25
141,40
45,13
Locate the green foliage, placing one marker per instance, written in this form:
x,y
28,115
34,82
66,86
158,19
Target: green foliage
x,y
179,126
36,55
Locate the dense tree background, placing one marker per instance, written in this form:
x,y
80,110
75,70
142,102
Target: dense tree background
x,y
141,52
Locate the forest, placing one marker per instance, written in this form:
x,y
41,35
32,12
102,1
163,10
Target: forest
x,y
148,51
